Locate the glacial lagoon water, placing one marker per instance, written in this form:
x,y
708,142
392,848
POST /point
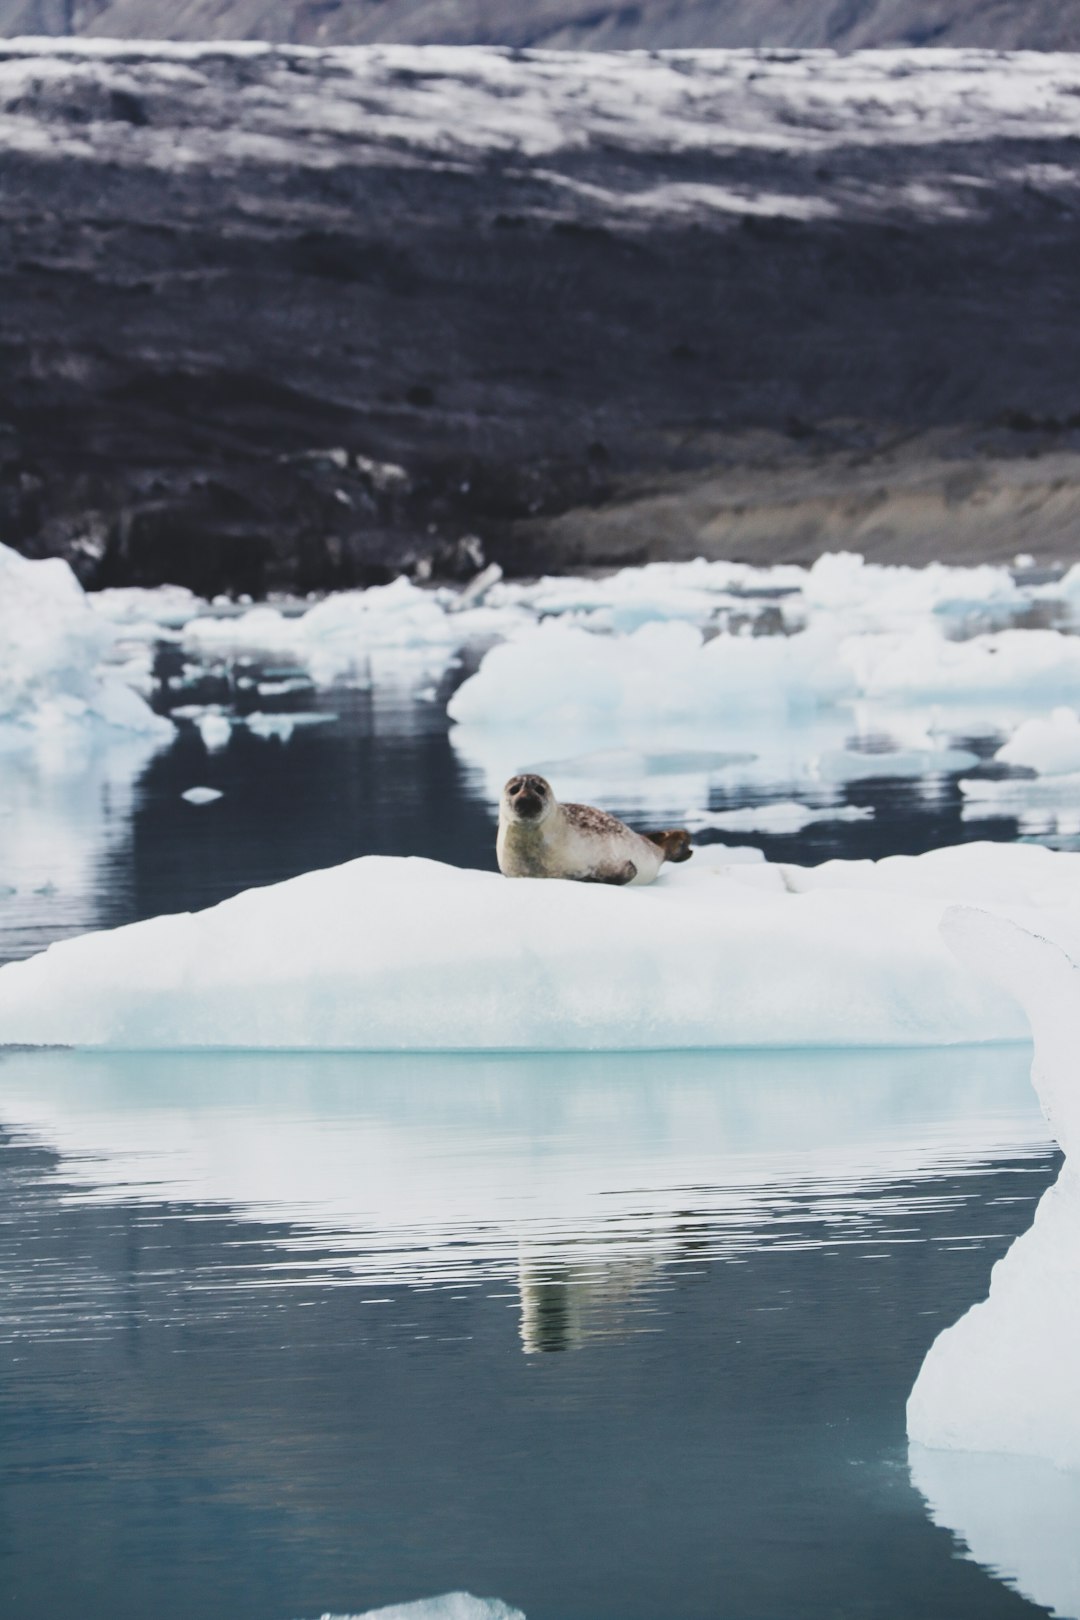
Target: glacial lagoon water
x,y
605,1336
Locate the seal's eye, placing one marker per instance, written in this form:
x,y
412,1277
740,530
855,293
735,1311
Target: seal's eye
x,y
515,785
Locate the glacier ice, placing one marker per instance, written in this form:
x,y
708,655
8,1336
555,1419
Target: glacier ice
x,y
1006,1377
386,953
51,675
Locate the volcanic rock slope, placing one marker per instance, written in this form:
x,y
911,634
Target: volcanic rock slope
x,y
280,316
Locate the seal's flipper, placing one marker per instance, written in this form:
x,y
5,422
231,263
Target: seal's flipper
x,y
675,843
617,875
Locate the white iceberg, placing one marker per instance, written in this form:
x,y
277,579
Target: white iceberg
x,y
1006,1377
670,670
51,676
388,954
1048,744
337,639
450,1606
782,817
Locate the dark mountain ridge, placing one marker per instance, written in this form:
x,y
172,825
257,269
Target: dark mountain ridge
x,y
286,318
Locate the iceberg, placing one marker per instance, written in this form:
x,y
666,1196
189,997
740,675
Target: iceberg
x,y
51,677
1048,744
450,1606
1006,1377
335,639
672,670
385,953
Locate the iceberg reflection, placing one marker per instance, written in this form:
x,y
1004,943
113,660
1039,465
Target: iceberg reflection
x,y
569,1177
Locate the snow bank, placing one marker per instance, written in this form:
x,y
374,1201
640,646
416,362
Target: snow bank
x,y
53,645
389,954
1006,1377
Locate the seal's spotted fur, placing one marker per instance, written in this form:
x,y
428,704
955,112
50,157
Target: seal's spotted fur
x,y
538,837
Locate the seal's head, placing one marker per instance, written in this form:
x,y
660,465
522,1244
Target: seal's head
x,y
527,799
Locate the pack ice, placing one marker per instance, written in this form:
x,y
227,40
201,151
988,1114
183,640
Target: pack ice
x,y
1006,1377
53,646
386,953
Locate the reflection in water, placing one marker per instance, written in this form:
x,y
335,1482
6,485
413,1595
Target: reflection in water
x,y
263,1321
563,1306
1017,1516
66,807
418,1168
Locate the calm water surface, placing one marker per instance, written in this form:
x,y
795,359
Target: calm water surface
x,y
608,1337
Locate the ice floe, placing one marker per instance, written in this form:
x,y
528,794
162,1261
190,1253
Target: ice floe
x,y
448,1606
780,817
51,674
671,670
1048,744
1006,1377
387,954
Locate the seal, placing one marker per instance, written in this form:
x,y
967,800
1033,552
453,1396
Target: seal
x,y
541,838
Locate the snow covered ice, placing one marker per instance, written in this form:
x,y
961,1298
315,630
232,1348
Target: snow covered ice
x,y
387,953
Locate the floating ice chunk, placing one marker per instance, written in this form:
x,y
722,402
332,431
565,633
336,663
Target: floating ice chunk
x,y
215,729
1032,799
876,595
201,795
669,670
786,816
1049,745
560,674
451,1606
1006,1377
53,646
282,726
142,613
335,639
850,765
390,954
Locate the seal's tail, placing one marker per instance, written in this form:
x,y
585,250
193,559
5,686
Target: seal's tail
x,y
675,843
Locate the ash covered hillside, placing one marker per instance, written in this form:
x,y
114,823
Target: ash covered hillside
x,y
577,24
279,317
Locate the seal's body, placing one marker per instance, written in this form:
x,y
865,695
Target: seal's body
x,y
540,838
